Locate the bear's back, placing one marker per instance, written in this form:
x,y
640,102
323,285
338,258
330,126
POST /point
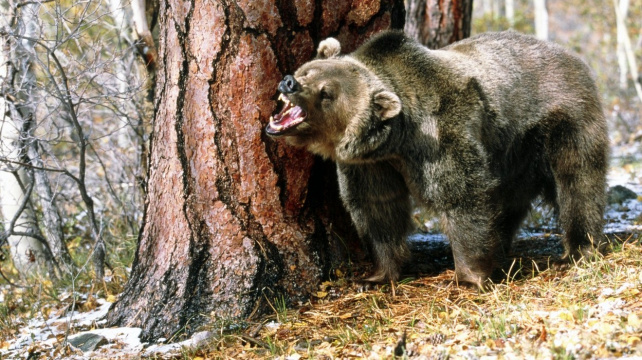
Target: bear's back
x,y
522,77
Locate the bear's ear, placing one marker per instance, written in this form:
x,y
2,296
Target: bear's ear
x,y
328,48
387,105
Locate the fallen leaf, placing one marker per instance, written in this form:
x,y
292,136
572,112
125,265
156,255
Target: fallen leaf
x,y
325,285
542,335
604,329
566,315
632,340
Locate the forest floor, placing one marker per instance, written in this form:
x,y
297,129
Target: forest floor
x,y
590,310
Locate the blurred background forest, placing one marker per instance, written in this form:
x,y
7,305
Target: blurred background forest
x,y
590,29
76,91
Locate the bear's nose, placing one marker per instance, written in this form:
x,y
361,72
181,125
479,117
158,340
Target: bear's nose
x,y
289,85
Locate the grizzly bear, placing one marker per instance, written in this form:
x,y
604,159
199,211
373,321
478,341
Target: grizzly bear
x,y
474,131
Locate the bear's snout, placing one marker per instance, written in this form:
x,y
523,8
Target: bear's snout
x,y
289,85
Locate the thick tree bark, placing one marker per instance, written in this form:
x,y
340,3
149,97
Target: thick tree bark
x,y
234,218
437,23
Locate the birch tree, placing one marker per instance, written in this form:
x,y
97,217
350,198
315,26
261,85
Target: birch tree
x,y
541,19
509,7
21,147
625,49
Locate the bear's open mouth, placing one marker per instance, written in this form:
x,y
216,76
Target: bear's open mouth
x,y
290,116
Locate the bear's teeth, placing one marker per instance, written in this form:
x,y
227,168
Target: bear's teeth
x,y
284,99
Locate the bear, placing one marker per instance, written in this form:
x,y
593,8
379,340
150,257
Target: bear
x,y
475,131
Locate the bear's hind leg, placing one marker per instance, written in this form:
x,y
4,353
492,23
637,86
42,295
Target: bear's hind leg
x,y
581,208
578,154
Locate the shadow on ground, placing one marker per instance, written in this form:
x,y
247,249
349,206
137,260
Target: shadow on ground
x,y
431,255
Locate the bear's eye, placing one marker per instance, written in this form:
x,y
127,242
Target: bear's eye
x,y
325,95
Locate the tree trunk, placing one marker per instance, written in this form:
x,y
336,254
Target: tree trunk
x,y
623,7
541,19
625,41
437,23
234,219
29,255
509,7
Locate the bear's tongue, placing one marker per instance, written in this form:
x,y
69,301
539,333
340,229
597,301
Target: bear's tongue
x,y
288,117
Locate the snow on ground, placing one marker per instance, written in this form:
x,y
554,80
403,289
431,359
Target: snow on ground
x,y
45,337
626,170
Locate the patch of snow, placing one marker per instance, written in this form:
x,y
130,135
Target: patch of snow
x,y
430,237
624,287
606,292
613,306
272,325
88,318
39,330
197,340
121,339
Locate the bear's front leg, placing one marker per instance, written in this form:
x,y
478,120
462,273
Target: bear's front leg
x,y
476,247
378,200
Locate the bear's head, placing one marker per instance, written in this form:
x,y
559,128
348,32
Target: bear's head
x,y
332,104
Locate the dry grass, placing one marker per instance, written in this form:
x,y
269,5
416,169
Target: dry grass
x,y
592,310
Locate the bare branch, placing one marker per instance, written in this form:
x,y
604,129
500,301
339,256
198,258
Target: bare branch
x,y
21,4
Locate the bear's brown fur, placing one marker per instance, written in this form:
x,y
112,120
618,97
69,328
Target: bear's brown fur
x,y
474,131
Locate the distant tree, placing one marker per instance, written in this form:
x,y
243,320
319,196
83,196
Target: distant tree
x,y
31,250
625,51
509,7
541,19
438,23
